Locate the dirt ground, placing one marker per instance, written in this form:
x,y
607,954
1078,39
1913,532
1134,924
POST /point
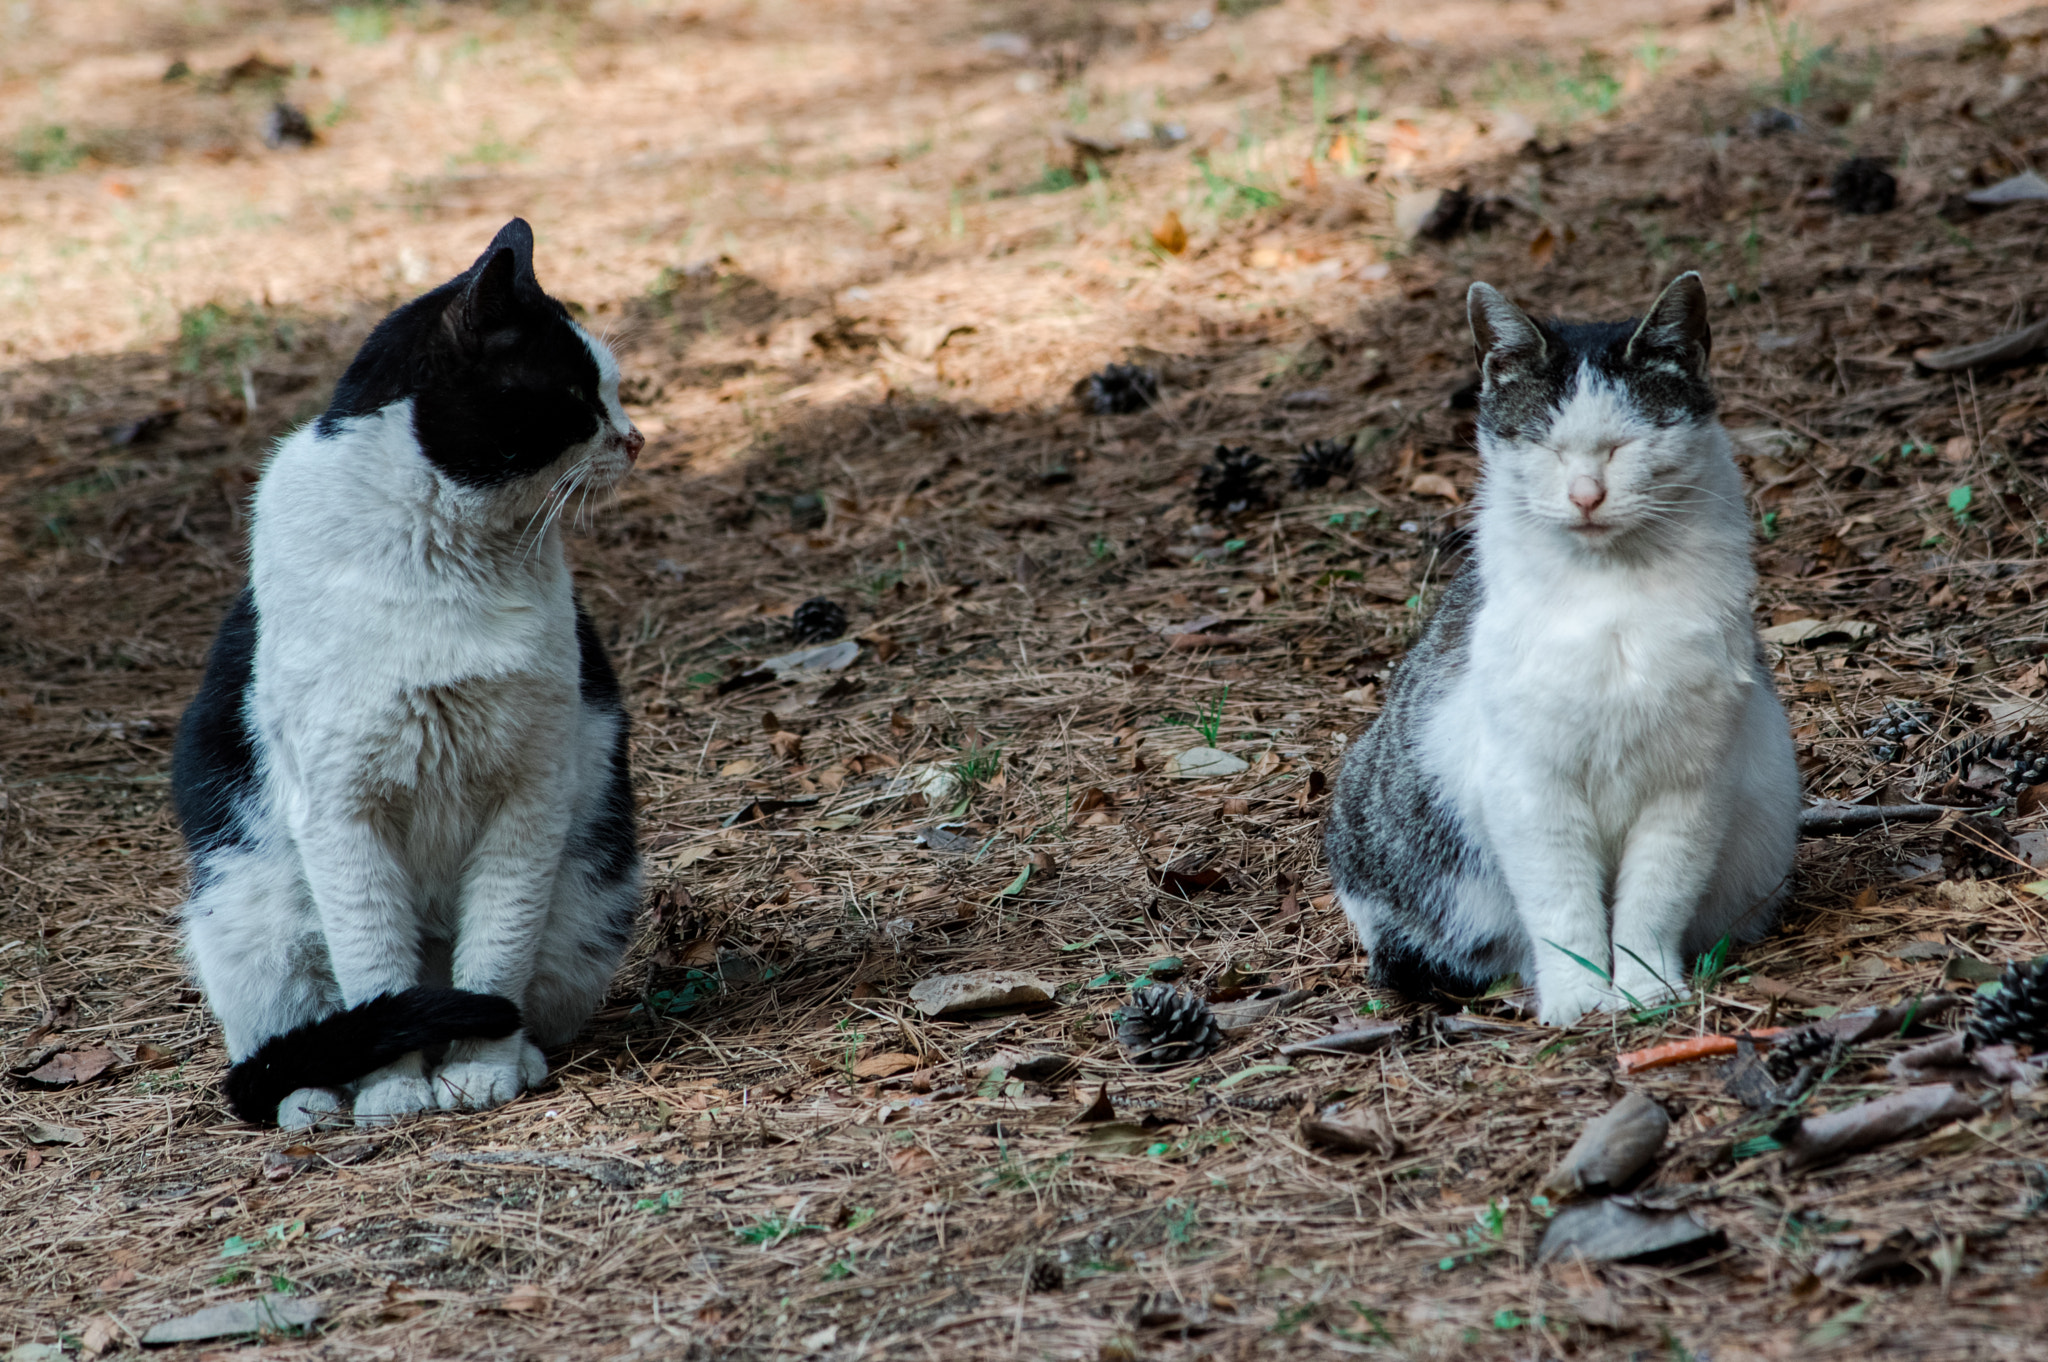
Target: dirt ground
x,y
854,257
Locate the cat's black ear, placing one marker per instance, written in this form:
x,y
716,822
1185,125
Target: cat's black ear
x,y
485,314
1509,345
1676,327
517,237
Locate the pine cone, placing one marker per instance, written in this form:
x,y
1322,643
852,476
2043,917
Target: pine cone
x,y
1800,1047
1321,460
1863,185
1118,390
1047,1275
1972,849
817,620
2018,1013
1232,483
1162,1025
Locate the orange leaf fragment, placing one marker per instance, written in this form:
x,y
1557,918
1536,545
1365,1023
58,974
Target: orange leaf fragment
x,y
1169,235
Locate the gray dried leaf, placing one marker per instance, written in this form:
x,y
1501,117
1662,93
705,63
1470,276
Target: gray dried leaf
x,y
1612,1149
1616,1230
946,993
1822,1139
42,1132
2025,187
273,1314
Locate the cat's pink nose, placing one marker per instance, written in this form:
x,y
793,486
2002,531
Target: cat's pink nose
x,y
635,442
1587,493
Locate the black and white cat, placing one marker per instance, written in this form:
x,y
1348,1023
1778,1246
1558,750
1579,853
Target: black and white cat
x,y
1582,772
404,780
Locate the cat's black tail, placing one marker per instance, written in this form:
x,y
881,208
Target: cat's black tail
x,y
360,1040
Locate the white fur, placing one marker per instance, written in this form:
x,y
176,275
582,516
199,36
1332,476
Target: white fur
x,y
424,755
1613,737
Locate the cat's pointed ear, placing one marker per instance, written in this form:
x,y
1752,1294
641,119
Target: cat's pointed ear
x,y
486,312
1508,343
1676,327
517,237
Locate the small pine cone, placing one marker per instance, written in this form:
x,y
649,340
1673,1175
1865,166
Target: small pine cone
x,y
1321,460
1162,1025
1800,1047
1118,390
1233,482
2018,1013
1978,848
1047,1275
817,620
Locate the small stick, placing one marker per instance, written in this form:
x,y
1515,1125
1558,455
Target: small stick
x,y
1687,1050
1360,1042
1821,819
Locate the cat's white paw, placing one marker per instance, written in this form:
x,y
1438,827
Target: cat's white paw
x,y
310,1109
392,1092
1647,987
488,1073
1564,1003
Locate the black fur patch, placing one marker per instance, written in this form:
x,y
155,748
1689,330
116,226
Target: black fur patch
x,y
608,843
344,1047
213,766
1391,836
500,382
1523,409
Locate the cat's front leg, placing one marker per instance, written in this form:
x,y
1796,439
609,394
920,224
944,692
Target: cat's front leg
x,y
505,894
364,899
1548,853
1667,865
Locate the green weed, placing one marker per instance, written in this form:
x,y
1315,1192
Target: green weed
x,y
1208,723
363,24
48,149
773,1228
1221,194
1959,502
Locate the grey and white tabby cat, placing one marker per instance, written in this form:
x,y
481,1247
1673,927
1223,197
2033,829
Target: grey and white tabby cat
x,y
404,778
1583,756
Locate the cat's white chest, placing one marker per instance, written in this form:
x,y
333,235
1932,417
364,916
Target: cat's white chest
x,y
1605,680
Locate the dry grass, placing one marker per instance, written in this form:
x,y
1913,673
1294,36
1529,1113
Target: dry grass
x,y
785,214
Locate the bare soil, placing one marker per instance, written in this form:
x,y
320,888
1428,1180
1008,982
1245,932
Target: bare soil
x,y
853,265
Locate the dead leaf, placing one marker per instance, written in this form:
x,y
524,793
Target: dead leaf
x,y
881,1066
1618,1230
946,993
1117,1137
910,1158
525,1298
787,745
100,1335
1612,1149
149,1057
1098,1110
69,1067
1360,1130
274,1314
1542,247
744,766
119,1279
1170,236
39,1132
1820,1139
1435,485
1205,763
1809,633
2025,187
1090,798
